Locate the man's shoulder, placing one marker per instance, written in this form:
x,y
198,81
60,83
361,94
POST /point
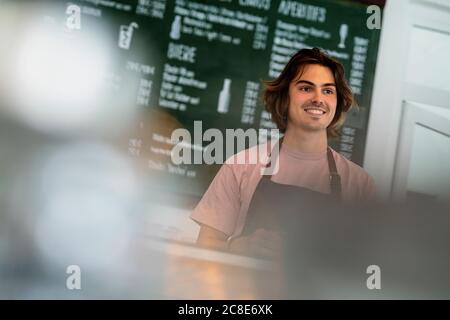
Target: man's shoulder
x,y
349,165
253,156
356,177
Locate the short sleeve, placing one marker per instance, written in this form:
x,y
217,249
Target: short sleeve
x,y
220,205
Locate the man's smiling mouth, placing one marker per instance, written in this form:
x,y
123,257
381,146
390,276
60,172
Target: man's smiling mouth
x,y
314,111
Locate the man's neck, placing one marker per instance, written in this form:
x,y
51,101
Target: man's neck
x,y
305,141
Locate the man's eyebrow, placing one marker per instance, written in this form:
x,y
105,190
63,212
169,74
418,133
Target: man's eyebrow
x,y
313,84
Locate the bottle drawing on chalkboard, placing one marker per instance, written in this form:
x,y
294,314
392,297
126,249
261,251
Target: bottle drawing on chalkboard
x,y
126,34
224,97
343,32
176,27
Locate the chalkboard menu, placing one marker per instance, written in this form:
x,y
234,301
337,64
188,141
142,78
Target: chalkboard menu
x,y
185,60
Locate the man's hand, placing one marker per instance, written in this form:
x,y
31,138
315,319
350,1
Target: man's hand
x,y
261,243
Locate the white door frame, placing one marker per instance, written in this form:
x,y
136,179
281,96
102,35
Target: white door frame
x,y
413,115
391,88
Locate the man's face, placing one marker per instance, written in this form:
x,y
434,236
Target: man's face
x,y
313,99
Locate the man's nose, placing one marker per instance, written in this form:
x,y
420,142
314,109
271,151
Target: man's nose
x,y
317,96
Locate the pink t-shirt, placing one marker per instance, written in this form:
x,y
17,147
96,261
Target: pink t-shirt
x,y
225,204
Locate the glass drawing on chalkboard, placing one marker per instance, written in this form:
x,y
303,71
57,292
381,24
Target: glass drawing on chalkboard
x,y
126,34
343,32
224,97
175,30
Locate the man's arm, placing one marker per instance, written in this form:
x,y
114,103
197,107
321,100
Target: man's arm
x,y
212,238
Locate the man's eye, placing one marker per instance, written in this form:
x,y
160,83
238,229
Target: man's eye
x,y
305,89
328,91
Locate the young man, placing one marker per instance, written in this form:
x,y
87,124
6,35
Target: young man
x,y
308,102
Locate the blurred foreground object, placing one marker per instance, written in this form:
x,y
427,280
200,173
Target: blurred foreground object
x,y
328,254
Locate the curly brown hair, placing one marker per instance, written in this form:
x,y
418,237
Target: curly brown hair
x,y
276,92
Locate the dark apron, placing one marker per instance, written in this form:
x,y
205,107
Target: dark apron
x,y
277,206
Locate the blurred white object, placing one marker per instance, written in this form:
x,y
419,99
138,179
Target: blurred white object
x,y
57,80
87,195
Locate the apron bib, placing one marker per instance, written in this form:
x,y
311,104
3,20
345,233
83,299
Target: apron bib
x,y
274,205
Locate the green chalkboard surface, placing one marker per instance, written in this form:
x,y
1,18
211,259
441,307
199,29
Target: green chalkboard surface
x,y
185,60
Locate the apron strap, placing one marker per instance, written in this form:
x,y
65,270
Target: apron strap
x,y
269,151
335,178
